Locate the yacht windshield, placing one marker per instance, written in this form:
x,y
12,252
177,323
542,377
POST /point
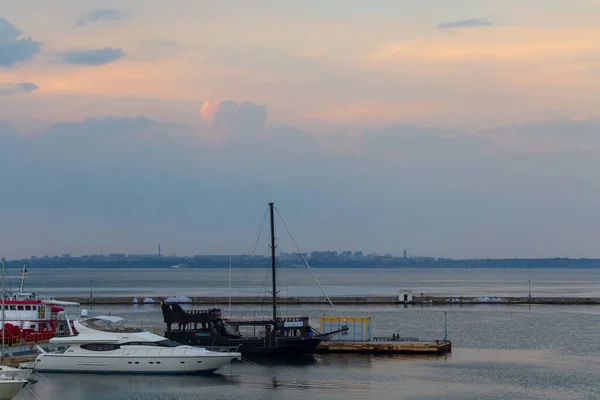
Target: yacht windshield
x,y
168,343
160,343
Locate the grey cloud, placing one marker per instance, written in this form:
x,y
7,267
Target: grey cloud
x,y
438,192
559,135
23,87
230,119
466,23
14,47
101,14
91,57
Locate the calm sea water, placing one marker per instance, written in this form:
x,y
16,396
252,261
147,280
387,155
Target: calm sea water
x,y
299,281
500,352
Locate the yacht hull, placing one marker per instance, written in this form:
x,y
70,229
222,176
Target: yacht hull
x,y
130,364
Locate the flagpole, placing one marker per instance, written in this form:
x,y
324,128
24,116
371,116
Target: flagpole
x,y
23,277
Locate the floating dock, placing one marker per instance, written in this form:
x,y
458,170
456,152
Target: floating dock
x,y
433,347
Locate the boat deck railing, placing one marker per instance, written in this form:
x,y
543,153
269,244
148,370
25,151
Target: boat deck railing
x,y
25,348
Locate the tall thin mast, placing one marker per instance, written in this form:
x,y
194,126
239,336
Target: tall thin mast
x,y
273,262
3,315
230,284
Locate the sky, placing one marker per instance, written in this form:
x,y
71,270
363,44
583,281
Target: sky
x,y
463,129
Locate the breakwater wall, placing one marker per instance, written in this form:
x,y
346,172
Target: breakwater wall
x,y
341,300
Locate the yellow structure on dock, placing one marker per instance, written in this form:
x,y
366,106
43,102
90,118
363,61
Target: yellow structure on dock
x,y
359,328
357,339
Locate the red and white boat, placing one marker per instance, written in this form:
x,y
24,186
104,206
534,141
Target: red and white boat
x,y
31,319
28,318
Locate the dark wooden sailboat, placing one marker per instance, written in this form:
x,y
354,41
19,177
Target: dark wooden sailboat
x,y
282,337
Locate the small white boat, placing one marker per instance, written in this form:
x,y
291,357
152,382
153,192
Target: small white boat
x,y
15,373
9,388
103,345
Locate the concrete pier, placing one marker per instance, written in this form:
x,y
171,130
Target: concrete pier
x,y
345,300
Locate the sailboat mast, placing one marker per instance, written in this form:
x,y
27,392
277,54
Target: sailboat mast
x,y
273,262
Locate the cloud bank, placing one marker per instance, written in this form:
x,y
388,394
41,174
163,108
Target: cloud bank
x,y
447,193
228,118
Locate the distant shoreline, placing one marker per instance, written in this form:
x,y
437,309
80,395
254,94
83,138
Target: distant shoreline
x,y
320,267
326,266
247,261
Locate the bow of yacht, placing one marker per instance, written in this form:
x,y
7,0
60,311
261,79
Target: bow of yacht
x,y
104,345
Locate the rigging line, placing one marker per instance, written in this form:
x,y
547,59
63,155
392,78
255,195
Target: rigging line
x,y
264,283
32,392
303,258
260,231
254,250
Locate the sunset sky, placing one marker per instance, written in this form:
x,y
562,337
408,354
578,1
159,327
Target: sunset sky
x,y
454,129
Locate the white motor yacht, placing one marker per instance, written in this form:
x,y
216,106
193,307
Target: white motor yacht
x,y
103,345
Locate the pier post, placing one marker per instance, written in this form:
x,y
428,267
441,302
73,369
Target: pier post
x,y
445,325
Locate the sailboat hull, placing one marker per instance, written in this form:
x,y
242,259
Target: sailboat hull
x,y
249,347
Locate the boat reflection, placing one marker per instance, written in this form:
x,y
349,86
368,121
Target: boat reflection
x,y
108,383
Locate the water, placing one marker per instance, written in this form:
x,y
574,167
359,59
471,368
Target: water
x,y
299,282
500,352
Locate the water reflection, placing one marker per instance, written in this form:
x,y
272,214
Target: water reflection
x,y
298,360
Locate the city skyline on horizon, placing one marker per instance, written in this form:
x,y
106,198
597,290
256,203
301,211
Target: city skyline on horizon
x,y
352,254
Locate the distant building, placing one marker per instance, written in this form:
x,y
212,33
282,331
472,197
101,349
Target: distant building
x,y
404,255
292,256
358,255
324,255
